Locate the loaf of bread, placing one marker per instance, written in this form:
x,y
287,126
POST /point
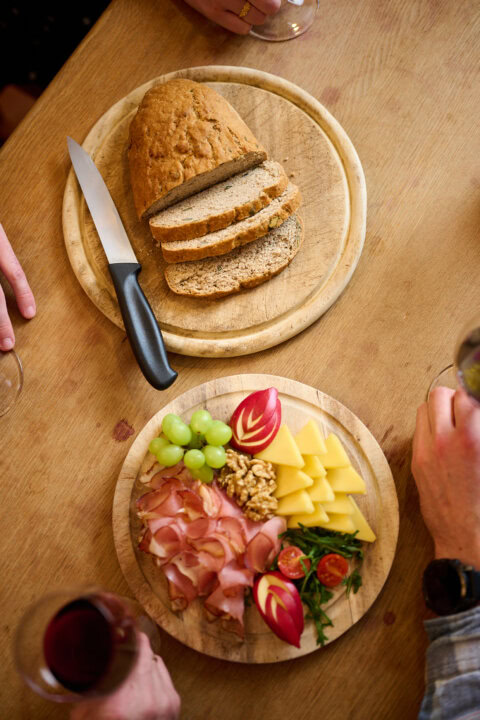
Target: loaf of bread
x,y
244,267
237,198
240,233
184,138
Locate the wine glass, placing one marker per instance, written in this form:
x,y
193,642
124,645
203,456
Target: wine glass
x,y
11,380
292,20
465,370
76,644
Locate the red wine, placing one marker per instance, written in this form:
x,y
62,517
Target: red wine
x,y
468,363
85,650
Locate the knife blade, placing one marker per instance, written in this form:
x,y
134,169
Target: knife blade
x,y
140,323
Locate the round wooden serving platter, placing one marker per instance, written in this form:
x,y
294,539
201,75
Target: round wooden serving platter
x,y
380,506
317,155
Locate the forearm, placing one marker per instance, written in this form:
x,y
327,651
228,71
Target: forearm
x,y
453,668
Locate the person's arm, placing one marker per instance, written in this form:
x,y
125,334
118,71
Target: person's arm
x,y
13,272
147,694
446,468
236,15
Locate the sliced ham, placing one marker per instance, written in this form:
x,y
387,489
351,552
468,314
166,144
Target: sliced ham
x,y
233,578
228,608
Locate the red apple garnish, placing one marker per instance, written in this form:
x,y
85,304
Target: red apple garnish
x,y
279,604
255,421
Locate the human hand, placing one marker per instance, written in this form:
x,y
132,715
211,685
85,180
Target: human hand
x,y
12,270
147,694
226,12
446,468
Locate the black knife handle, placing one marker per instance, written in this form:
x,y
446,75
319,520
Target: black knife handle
x,y
141,326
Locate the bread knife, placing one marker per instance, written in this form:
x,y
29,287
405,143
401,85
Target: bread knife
x,y
140,324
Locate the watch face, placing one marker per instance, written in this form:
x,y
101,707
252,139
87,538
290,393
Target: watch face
x,y
442,587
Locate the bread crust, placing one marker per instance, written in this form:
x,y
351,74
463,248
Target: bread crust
x,y
219,221
251,282
237,236
183,130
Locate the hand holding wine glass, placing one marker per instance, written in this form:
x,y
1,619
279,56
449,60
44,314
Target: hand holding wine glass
x,y
446,468
14,274
237,16
147,694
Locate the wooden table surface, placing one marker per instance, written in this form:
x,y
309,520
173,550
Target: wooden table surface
x,y
403,80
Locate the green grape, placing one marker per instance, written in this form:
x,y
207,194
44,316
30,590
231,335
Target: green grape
x,y
197,441
179,433
200,421
218,433
157,443
215,456
194,459
170,455
205,474
168,420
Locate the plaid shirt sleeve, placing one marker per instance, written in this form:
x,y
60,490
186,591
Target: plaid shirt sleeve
x,y
453,668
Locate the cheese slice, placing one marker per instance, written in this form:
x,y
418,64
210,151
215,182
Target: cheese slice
x,y
335,456
313,466
296,502
282,450
320,491
314,519
310,440
339,523
290,479
365,532
346,480
340,505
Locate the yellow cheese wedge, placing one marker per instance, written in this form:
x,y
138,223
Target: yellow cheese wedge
x,y
340,505
365,532
282,450
314,519
321,491
290,479
339,523
335,456
313,466
310,440
296,502
346,480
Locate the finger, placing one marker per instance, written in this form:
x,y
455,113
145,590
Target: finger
x,y
422,432
268,7
231,21
440,410
463,407
253,17
12,270
7,336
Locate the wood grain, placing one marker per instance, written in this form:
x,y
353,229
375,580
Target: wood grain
x,y
318,156
380,506
402,79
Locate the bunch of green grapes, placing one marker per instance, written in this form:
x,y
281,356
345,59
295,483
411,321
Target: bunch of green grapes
x,y
199,444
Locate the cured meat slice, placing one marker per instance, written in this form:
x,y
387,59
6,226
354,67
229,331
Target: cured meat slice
x,y
234,530
228,608
181,589
233,578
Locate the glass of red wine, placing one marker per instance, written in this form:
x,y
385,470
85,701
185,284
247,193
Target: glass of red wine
x,y
76,644
465,370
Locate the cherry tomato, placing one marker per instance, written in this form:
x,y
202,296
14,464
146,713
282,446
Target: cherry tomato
x,y
289,562
331,569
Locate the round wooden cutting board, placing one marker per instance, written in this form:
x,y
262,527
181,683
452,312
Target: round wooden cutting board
x,y
380,506
317,155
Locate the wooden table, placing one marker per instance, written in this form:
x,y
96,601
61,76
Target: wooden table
x,y
402,79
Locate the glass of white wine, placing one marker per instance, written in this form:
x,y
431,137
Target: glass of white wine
x,y
11,380
465,370
292,20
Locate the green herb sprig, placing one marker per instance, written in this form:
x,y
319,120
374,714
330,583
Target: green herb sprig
x,y
315,543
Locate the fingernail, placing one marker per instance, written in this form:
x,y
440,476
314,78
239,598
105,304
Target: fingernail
x,y
29,312
6,344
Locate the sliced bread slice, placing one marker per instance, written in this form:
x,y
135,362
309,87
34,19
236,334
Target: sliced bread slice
x,y
245,231
235,199
184,138
244,267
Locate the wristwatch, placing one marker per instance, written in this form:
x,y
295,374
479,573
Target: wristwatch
x,y
450,587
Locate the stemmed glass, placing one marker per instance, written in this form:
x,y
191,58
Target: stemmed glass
x,y
75,644
465,370
11,379
292,20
